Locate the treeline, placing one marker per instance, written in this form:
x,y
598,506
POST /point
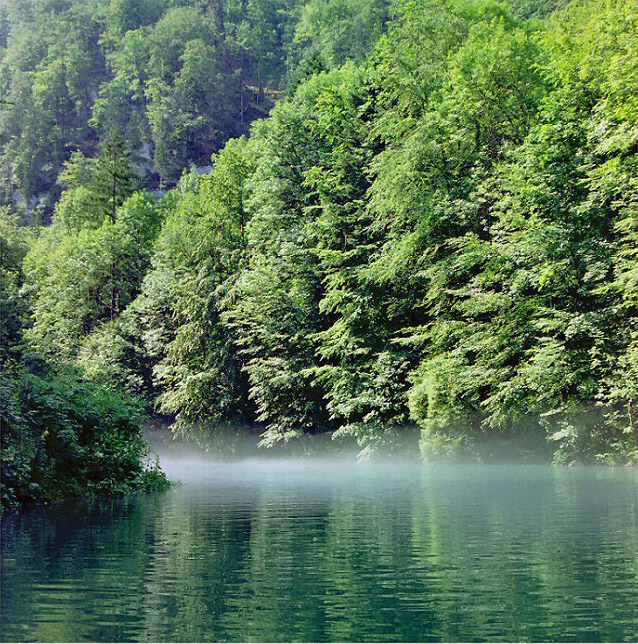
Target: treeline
x,y
444,234
100,100
61,435
174,78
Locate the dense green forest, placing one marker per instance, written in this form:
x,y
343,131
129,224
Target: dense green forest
x,y
434,223
175,79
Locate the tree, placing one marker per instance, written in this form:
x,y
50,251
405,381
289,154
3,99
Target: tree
x,y
80,279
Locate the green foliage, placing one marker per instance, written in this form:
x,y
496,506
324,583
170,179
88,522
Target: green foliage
x,y
14,245
62,437
275,305
95,188
49,71
176,80
331,32
534,9
171,343
80,279
442,231
199,249
536,325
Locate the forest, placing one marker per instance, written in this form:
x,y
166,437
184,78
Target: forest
x,y
355,217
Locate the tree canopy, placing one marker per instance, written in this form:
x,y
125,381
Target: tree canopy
x,y
436,224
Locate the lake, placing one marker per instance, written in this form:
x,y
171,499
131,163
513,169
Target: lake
x,y
327,549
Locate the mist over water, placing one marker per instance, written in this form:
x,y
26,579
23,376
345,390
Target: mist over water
x,y
280,546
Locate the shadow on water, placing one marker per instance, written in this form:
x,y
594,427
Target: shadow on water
x,y
277,547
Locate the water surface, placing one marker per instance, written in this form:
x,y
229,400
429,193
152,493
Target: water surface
x,y
331,550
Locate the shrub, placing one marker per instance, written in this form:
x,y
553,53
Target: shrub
x,y
62,437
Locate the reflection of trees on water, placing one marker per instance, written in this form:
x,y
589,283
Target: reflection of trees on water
x,y
533,554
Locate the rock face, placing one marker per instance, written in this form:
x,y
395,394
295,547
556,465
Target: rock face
x,y
36,207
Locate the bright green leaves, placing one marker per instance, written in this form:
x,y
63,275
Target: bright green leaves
x,y
78,280
338,30
14,312
445,235
273,313
496,84
498,208
95,188
196,371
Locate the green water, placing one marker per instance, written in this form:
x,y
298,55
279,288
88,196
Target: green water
x,y
302,550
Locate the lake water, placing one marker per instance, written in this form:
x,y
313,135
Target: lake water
x,y
331,550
